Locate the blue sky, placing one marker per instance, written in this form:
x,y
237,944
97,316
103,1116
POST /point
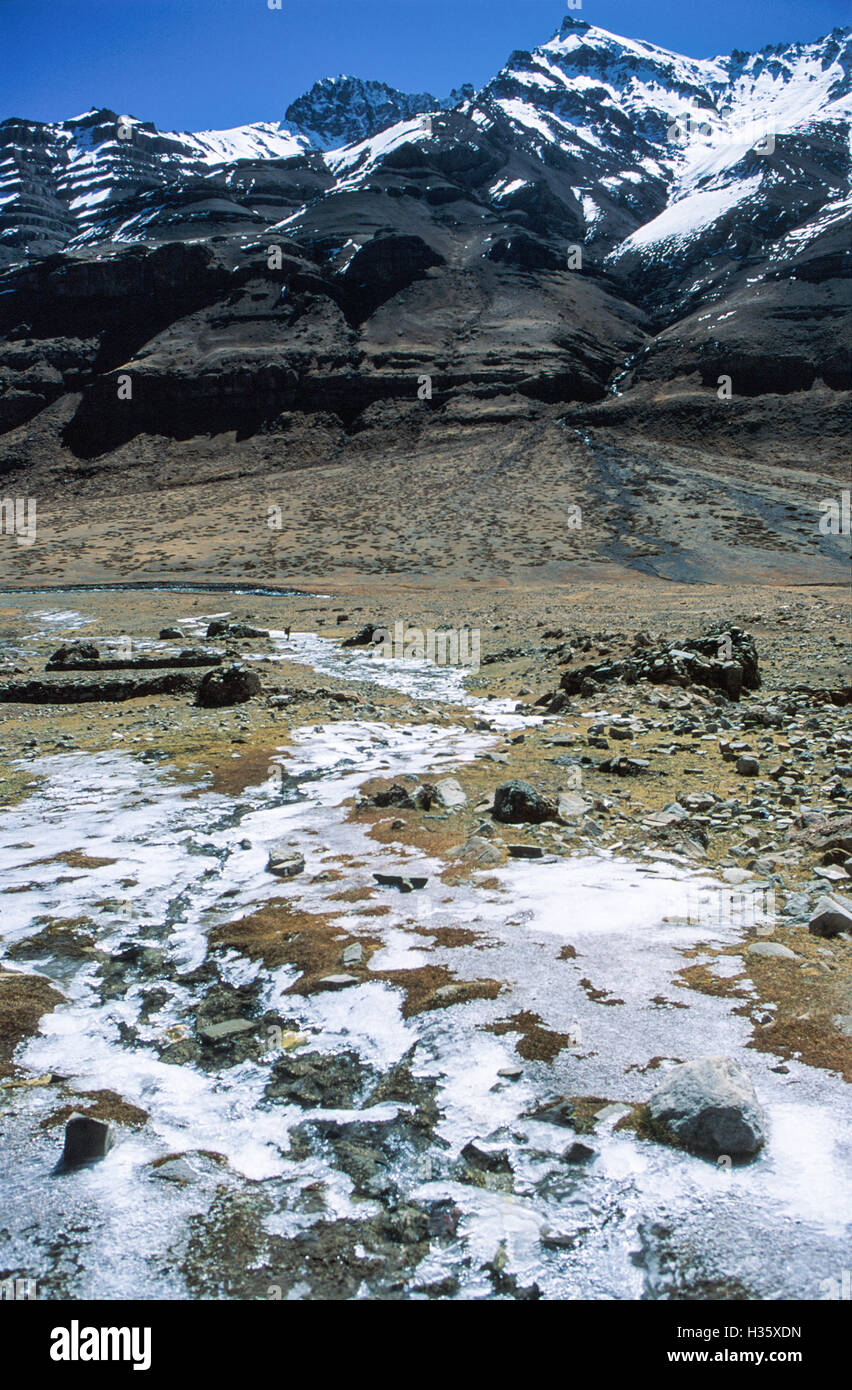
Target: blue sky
x,y
196,64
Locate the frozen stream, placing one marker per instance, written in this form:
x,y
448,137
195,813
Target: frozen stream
x,y
179,862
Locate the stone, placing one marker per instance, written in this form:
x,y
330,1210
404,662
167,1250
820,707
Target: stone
x,y
74,651
226,1030
623,766
449,794
832,915
578,1153
171,634
736,876
176,1170
220,628
747,767
553,1238
405,883
490,1158
228,685
363,638
86,1141
338,981
832,873
354,954
476,851
396,795
557,1110
444,1216
285,862
517,803
771,948
525,851
709,1106
569,805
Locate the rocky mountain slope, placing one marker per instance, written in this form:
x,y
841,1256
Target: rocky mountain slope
x,y
607,236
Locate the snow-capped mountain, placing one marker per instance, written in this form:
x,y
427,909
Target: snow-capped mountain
x,y
641,148
704,202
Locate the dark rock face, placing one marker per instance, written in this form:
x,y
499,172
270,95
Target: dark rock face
x,y
232,685
188,657
383,267
73,692
517,803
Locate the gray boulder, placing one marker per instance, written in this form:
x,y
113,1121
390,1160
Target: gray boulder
x,y
449,794
833,915
709,1106
285,862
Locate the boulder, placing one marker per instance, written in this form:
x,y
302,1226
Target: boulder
x,y
406,883
396,795
724,661
363,638
569,806
449,794
214,1033
86,1141
285,862
518,803
578,1153
490,1158
74,651
229,685
220,628
709,1106
171,634
477,852
175,1170
832,915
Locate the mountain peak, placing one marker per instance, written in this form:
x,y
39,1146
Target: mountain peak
x,y
570,25
343,110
